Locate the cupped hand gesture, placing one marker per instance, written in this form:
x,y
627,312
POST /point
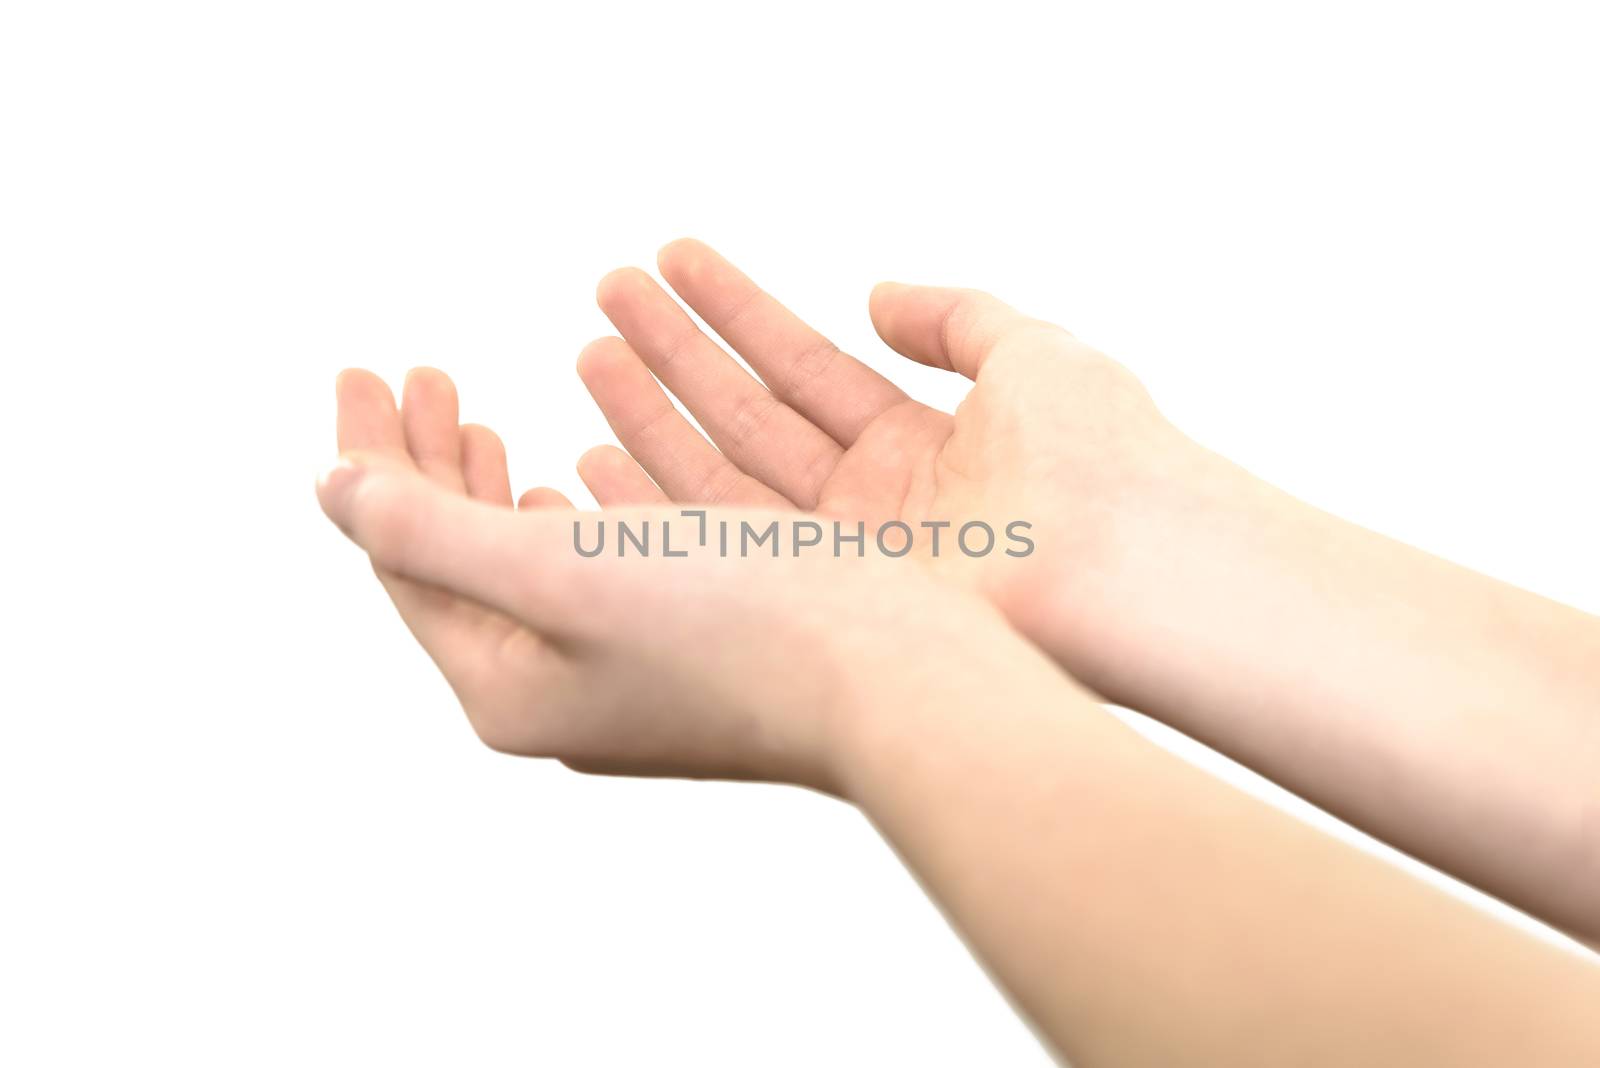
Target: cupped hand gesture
x,y
703,665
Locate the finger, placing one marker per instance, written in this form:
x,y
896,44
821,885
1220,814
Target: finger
x,y
443,624
428,413
682,462
418,529
953,329
763,436
615,478
367,419
543,497
483,465
805,370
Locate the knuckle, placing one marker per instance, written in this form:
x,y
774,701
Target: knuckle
x,y
959,324
652,425
949,325
739,309
718,484
809,366
677,345
750,416
817,471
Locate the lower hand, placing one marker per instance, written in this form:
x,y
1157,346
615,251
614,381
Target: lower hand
x,y
701,665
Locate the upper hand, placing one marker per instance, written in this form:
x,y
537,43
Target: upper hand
x,y
1052,433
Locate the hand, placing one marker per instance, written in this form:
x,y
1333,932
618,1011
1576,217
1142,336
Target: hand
x,y
1444,712
1093,873
1053,434
702,665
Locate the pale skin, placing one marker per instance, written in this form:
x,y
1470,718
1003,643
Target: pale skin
x,y
1138,911
1447,713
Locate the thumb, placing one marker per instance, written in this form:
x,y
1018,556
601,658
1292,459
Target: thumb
x,y
954,329
414,527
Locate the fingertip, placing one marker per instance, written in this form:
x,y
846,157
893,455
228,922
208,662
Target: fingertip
x,y
542,497
483,465
684,243
615,478
593,357
680,252
355,380
885,293
597,456
615,285
430,379
479,445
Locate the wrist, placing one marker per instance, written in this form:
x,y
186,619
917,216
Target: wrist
x,y
1124,583
953,669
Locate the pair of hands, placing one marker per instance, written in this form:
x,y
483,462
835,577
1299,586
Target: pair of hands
x,y
1096,875
760,668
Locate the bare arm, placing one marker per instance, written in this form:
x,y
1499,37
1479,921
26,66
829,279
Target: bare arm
x,y
1452,715
1142,912
1446,712
1139,911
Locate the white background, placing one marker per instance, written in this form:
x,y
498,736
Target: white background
x,y
1352,246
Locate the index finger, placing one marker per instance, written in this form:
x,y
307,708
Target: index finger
x,y
805,370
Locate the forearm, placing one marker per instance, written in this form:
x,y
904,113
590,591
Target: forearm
x,y
1446,713
1450,714
1142,912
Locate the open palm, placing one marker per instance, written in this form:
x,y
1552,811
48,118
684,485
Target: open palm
x,y
1048,419
824,433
